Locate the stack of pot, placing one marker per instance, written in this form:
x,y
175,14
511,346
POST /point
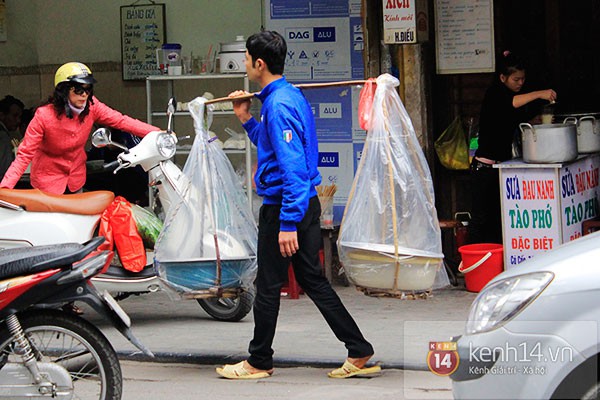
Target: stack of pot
x,y
562,141
588,130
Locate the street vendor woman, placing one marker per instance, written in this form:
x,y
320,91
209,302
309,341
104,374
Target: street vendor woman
x,y
502,110
54,142
288,228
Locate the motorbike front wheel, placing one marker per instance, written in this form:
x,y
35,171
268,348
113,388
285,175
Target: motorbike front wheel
x,y
76,345
228,309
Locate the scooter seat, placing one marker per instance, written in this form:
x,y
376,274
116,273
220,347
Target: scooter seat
x,y
22,261
115,271
30,260
34,200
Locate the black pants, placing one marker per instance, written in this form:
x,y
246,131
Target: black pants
x,y
272,274
486,219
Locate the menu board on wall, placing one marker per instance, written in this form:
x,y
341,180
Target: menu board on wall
x,y
142,32
464,36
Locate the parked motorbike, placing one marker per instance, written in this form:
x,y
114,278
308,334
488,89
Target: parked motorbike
x,y
30,217
46,352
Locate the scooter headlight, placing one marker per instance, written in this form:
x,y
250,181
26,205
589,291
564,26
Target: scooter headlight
x,y
166,144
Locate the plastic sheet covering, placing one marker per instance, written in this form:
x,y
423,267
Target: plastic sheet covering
x,y
390,236
209,238
148,225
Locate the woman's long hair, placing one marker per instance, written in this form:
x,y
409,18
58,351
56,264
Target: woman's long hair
x,y
60,100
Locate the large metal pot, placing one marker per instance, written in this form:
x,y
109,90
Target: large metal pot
x,y
588,132
549,143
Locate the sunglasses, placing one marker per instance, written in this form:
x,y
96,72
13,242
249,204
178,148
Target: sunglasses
x,y
79,90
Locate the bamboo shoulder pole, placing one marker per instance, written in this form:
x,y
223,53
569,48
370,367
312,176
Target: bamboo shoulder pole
x,y
299,86
388,153
222,99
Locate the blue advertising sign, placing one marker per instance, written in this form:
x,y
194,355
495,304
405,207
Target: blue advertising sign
x,y
325,43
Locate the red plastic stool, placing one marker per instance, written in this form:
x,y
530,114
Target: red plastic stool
x,y
292,288
322,260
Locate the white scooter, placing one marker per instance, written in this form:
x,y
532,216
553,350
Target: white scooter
x,y
31,217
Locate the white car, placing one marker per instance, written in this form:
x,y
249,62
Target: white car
x,y
532,332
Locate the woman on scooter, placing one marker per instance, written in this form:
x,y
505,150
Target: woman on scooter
x,y
54,142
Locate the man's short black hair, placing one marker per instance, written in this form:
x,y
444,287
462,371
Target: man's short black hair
x,y
270,46
7,102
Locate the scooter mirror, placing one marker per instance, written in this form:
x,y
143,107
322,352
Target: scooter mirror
x,y
171,106
170,113
101,138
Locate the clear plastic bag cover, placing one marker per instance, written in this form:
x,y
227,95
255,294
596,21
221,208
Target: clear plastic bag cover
x,y
211,224
390,236
148,225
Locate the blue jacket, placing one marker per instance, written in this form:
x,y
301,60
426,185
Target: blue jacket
x,y
288,152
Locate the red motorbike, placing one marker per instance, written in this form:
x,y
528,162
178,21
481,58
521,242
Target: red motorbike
x,y
45,350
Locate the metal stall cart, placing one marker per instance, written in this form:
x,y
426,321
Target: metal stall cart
x,y
544,205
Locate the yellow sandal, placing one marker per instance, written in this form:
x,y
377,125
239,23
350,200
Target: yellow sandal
x,y
237,371
348,370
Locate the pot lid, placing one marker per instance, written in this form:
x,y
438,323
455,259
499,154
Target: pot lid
x,y
577,114
556,125
238,46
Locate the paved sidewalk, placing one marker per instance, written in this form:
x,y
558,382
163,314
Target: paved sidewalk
x,y
400,330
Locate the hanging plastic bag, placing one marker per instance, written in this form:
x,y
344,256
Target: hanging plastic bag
x,y
451,147
209,238
390,239
365,104
148,225
119,229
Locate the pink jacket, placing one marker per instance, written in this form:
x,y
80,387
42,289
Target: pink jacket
x,y
56,147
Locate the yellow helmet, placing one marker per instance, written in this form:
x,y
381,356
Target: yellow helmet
x,y
74,72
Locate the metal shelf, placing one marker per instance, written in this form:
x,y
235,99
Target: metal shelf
x,y
170,80
193,77
164,114
226,151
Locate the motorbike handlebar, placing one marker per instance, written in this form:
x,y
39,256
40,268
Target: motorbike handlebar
x,y
110,166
